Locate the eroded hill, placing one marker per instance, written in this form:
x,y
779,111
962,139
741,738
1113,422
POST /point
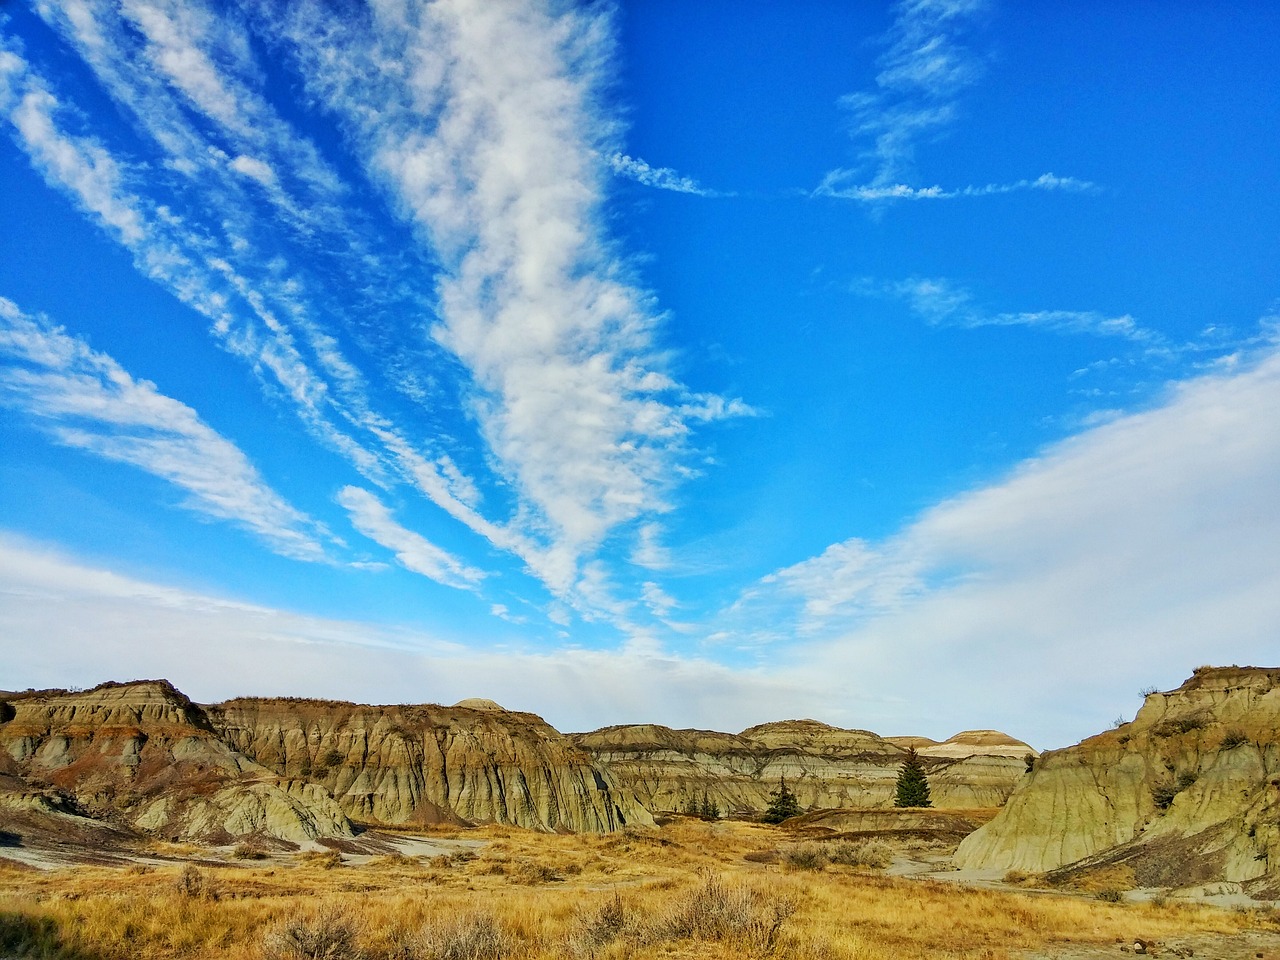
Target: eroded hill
x,y
825,766
1187,793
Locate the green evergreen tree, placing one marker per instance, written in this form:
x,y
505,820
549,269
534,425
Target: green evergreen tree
x,y
782,804
709,809
913,785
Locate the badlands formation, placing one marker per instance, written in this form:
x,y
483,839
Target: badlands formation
x,y
825,767
1186,794
142,758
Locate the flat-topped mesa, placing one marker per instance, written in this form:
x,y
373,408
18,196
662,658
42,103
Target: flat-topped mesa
x,y
429,764
825,766
1188,793
141,755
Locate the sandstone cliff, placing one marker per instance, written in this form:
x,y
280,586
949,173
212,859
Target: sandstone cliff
x,y
424,764
825,766
144,756
1187,793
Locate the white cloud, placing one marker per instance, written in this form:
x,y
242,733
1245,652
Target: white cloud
x,y
85,400
663,178
925,69
484,123
50,603
942,303
1122,557
414,551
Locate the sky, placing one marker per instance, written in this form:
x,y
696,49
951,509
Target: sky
x,y
912,367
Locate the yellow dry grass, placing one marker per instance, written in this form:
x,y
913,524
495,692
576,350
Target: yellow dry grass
x,y
685,891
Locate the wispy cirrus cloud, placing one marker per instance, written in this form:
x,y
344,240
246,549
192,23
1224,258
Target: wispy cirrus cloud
x,y
838,184
415,552
485,125
942,303
926,67
663,178
484,131
87,401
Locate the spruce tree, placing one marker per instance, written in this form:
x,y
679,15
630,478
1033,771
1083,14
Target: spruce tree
x,y
782,804
913,785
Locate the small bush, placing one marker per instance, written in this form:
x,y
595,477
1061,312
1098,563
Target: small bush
x,y
716,911
805,856
1233,738
328,935
193,884
1109,895
866,853
473,936
1016,877
1162,795
597,930
325,859
248,851
536,873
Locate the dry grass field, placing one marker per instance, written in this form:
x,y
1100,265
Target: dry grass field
x,y
688,890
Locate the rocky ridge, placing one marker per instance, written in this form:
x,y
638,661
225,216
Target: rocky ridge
x,y
428,764
144,758
1187,793
825,766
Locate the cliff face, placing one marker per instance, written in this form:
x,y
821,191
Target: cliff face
x,y
826,767
1187,793
144,756
425,764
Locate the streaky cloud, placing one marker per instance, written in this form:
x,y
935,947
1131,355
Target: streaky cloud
x,y
85,400
663,178
414,552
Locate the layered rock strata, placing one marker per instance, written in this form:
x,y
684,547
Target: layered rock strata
x,y
426,764
1187,793
144,756
825,766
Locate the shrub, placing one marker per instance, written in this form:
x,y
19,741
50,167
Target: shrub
x,y
1109,895
716,911
1148,691
599,929
865,853
248,851
1235,737
805,856
325,859
472,936
191,883
328,935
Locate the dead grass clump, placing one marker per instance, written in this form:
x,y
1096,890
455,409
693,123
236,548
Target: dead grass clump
x,y
598,929
324,859
328,935
248,851
718,911
194,885
532,873
472,936
805,856
873,854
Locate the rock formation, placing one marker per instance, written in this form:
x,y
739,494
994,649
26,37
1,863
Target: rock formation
x,y
826,767
144,756
1187,793
427,764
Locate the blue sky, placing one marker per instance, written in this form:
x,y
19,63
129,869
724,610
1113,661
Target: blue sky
x,y
907,366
